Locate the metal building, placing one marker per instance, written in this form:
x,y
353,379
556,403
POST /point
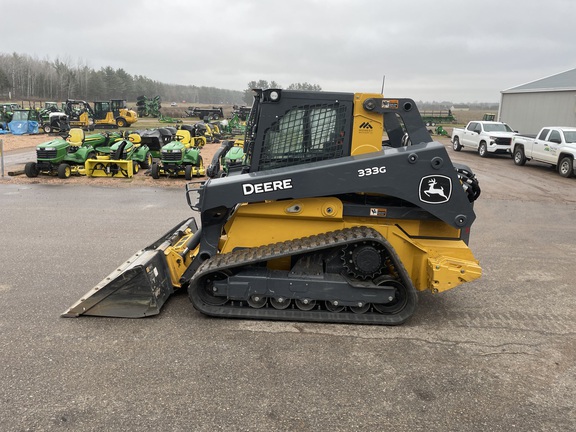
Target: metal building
x,y
549,101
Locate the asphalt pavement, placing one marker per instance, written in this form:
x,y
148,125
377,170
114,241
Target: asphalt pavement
x,y
497,354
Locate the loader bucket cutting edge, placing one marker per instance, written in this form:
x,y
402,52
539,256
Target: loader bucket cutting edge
x,y
138,288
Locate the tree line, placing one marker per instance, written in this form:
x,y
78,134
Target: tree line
x,y
263,84
25,78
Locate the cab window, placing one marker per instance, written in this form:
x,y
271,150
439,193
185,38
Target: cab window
x,y
543,134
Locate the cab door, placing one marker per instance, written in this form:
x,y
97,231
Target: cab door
x,y
101,110
552,146
470,135
539,146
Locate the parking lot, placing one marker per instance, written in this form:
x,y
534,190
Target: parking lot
x,y
497,354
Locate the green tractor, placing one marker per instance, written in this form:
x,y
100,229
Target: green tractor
x,y
148,107
6,112
237,125
125,158
181,156
64,157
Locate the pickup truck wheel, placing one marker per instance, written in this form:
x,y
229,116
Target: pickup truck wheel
x,y
565,167
519,156
483,150
456,144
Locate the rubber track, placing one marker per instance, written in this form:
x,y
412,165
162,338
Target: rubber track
x,y
244,257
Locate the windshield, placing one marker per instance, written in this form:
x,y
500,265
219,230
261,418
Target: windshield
x,y
497,127
20,116
570,136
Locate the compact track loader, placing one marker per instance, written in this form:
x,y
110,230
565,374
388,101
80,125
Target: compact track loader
x,y
328,221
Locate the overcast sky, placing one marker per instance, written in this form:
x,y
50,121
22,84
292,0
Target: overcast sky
x,y
459,51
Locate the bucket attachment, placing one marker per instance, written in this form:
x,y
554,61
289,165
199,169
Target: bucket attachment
x,y
140,286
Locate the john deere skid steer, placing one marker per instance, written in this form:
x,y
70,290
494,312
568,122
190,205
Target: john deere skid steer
x,y
343,210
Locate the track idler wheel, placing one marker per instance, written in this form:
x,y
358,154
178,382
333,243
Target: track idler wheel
x,y
400,299
207,290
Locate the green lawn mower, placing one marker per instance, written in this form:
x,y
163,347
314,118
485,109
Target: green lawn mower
x,y
229,157
181,156
124,159
64,157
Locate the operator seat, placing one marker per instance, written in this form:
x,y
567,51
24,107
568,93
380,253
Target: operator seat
x,y
135,139
183,136
76,137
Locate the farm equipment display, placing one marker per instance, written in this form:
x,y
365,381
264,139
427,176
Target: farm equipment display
x,y
53,119
323,223
215,131
64,157
211,132
432,118
214,113
167,119
6,112
148,107
112,114
441,131
181,157
55,122
24,121
237,126
124,159
241,111
230,156
155,139
80,114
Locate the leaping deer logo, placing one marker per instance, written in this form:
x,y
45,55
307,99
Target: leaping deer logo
x,y
433,190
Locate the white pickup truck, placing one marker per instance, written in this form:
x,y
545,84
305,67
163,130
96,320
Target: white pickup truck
x,y
483,136
553,145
